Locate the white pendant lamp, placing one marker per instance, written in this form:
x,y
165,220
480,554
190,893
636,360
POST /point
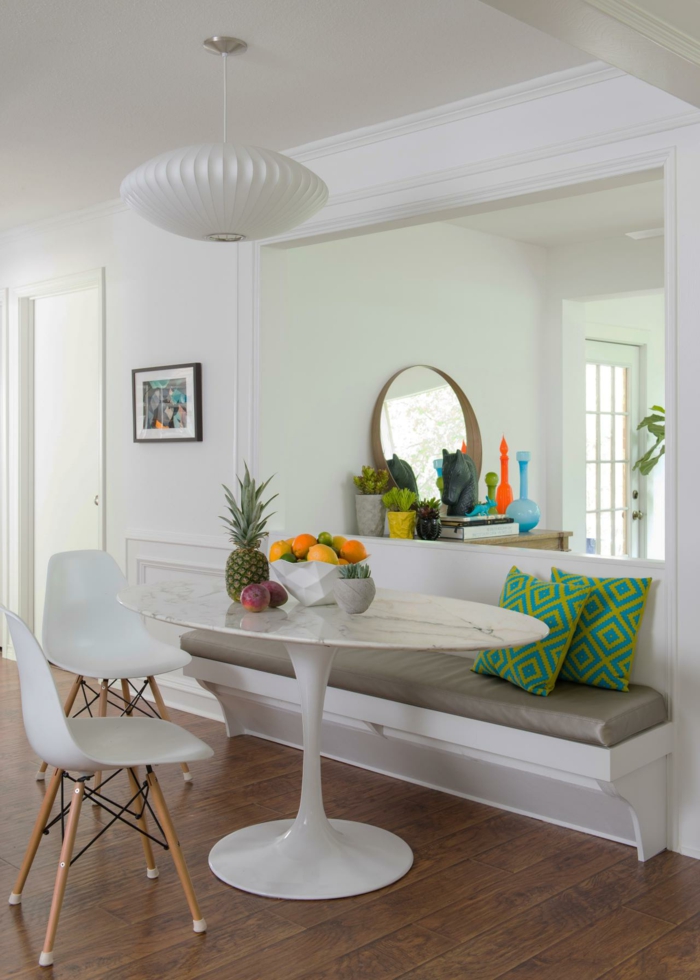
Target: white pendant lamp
x,y
224,192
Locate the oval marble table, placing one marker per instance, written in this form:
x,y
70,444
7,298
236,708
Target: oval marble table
x,y
312,857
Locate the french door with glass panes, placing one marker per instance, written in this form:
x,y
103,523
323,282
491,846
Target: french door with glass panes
x,y
613,505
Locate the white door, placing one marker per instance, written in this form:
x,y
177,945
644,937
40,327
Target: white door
x,y
613,490
66,426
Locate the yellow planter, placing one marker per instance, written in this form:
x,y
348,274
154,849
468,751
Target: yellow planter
x,y
402,523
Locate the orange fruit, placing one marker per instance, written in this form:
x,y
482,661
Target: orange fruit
x,y
302,543
353,551
343,561
322,552
278,549
338,542
290,541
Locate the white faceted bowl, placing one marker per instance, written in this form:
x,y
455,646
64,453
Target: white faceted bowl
x,y
310,582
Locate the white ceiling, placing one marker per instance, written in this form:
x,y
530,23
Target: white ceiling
x,y
584,217
90,89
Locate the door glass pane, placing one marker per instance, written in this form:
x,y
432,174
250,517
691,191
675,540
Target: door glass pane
x,y
605,533
620,485
620,437
591,486
591,387
591,436
620,389
605,486
620,526
605,373
591,534
606,436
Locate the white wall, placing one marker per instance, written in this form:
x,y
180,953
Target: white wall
x,y
168,301
354,312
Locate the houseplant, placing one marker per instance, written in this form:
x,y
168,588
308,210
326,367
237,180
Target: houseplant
x,y
402,514
656,425
246,565
371,485
355,589
428,519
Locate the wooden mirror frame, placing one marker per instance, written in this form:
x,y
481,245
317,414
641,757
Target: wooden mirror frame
x,y
470,423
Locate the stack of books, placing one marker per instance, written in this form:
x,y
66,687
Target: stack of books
x,y
472,528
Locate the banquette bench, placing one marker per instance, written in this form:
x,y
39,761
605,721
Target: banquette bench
x,y
585,757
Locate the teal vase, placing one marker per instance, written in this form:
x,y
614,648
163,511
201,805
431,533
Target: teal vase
x,y
524,512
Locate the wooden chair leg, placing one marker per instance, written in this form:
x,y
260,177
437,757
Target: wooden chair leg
x,y
46,958
165,715
101,713
126,694
198,923
37,833
67,707
151,869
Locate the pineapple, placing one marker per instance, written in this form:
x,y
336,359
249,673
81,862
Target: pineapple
x,y
247,565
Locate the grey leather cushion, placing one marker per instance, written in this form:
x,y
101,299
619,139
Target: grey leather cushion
x,y
447,683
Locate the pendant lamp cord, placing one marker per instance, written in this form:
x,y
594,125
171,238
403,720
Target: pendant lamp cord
x,y
225,58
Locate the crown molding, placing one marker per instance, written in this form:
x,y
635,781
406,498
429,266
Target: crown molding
x,y
329,225
652,27
101,210
529,91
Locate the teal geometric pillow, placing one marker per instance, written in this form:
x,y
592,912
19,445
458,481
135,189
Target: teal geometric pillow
x,y
535,667
602,649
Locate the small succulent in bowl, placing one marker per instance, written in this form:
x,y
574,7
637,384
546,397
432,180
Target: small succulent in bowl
x,y
354,571
355,589
428,519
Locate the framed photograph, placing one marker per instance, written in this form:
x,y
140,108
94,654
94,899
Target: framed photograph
x,y
168,403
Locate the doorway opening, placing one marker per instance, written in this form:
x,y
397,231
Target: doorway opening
x,y
55,472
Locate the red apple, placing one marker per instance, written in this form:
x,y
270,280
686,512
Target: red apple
x,y
278,594
255,598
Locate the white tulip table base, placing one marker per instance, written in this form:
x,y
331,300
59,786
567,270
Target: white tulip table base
x,y
310,857
287,859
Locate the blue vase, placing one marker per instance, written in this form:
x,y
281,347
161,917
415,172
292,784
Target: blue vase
x,y
524,512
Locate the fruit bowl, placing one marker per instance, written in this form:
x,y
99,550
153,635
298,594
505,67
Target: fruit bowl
x,y
310,582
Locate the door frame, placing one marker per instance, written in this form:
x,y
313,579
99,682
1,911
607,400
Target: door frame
x,y
17,477
636,536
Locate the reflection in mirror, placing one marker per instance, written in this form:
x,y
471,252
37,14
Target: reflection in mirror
x,y
421,416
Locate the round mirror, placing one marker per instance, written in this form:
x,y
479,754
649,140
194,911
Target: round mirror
x,y
421,411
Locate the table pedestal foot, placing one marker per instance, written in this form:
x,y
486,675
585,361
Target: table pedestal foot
x,y
281,859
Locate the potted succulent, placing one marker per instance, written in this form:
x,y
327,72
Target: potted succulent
x,y
246,565
428,519
402,515
371,486
355,589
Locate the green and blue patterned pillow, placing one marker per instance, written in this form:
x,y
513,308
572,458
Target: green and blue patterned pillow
x,y
535,667
602,649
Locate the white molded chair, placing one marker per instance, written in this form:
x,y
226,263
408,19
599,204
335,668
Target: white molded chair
x,y
87,632
85,746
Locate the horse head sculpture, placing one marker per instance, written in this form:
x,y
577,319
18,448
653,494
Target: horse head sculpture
x,y
460,483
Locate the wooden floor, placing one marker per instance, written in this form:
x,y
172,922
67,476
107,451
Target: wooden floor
x,y
491,894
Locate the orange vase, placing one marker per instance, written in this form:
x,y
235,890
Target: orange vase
x,y
504,493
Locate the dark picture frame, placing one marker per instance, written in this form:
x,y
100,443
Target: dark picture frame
x,y
166,403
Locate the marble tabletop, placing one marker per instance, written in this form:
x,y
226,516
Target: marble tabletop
x,y
394,621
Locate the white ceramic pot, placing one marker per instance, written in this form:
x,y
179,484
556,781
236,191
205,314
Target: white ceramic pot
x,y
371,513
354,595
